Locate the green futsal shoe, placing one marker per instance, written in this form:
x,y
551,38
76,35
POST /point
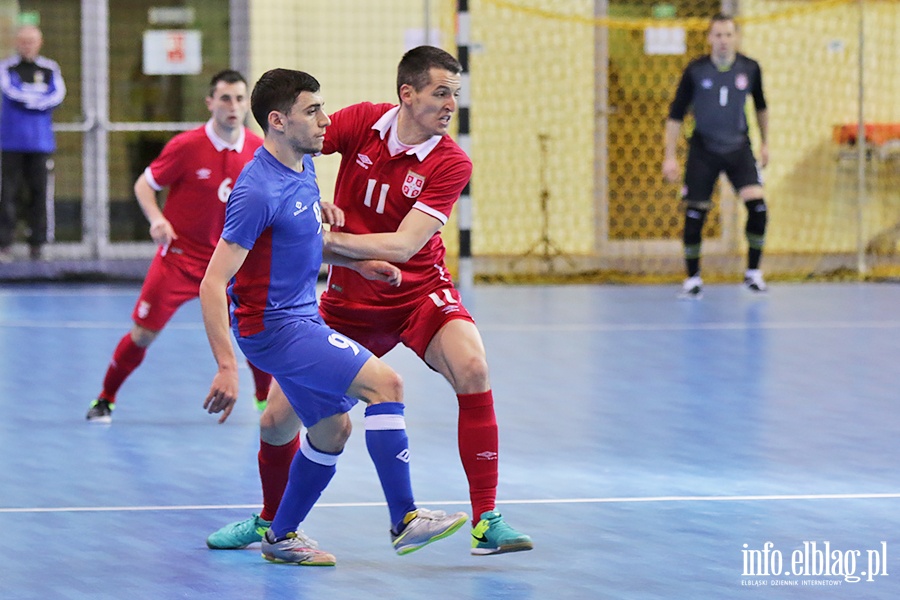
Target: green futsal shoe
x,y
492,535
239,535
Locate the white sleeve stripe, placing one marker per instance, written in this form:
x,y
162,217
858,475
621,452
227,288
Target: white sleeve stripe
x,y
431,212
385,422
148,174
328,460
6,83
34,100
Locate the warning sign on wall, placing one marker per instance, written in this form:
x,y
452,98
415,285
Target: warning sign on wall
x,y
172,52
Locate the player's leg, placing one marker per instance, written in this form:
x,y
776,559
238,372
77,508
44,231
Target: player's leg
x,y
382,390
311,470
388,445
386,439
457,352
165,289
279,428
700,174
127,356
11,167
36,181
746,177
692,238
262,381
313,370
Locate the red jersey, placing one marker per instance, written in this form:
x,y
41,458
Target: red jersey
x,y
199,168
377,190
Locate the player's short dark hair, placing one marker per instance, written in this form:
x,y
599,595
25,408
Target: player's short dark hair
x,y
415,64
227,76
721,18
278,90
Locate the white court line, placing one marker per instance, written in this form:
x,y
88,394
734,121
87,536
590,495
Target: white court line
x,y
92,290
624,500
570,327
737,326
87,325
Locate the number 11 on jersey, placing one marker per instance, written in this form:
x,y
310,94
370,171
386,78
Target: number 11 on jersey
x,y
382,196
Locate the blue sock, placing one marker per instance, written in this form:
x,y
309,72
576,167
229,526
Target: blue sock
x,y
311,470
389,448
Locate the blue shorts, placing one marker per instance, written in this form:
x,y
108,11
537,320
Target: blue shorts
x,y
312,363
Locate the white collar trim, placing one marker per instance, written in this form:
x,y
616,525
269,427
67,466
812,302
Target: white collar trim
x,y
388,122
221,144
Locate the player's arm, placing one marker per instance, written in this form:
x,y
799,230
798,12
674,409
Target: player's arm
x,y
225,262
55,92
399,246
762,119
677,110
670,162
374,270
160,229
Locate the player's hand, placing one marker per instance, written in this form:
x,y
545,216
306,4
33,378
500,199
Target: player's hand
x,y
162,232
222,394
763,155
331,214
379,270
670,170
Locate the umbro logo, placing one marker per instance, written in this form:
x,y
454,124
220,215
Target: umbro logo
x,y
300,208
404,456
364,161
486,455
204,173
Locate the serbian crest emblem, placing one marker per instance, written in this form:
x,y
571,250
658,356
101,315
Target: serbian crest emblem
x,y
413,184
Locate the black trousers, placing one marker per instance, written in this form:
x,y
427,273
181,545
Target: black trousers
x,y
29,168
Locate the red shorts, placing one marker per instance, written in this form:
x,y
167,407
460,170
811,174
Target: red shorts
x,y
171,281
380,328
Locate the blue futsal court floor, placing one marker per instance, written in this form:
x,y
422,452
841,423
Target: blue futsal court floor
x,y
734,447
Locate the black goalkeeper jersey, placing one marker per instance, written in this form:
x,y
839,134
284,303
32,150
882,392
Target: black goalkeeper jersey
x,y
717,100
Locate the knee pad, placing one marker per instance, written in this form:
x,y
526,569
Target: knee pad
x,y
693,227
756,222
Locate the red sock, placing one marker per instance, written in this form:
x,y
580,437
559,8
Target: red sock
x,y
478,449
261,380
274,467
125,359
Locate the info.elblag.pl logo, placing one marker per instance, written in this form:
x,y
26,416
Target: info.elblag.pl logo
x,y
819,560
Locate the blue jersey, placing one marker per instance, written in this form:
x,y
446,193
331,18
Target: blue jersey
x,y
274,212
31,90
